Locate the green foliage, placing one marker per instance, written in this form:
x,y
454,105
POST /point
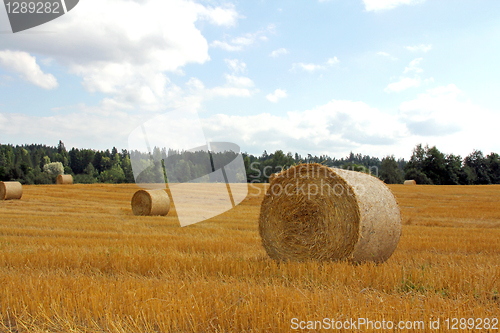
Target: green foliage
x,y
114,175
355,167
54,168
428,165
418,176
477,168
390,172
493,163
40,164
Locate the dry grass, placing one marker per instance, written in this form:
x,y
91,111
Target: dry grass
x,y
75,259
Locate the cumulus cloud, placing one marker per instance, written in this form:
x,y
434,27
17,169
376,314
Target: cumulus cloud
x,y
278,52
82,126
440,116
378,5
276,95
419,48
337,127
127,49
311,67
26,66
440,112
444,117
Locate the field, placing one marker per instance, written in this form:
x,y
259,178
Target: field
x,y
75,259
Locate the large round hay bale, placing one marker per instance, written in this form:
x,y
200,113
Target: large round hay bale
x,y
152,202
410,182
271,177
64,180
314,212
11,190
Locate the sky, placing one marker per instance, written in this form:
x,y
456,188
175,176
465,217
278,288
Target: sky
x,y
375,77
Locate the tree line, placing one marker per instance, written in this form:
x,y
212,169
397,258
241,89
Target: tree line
x,y
41,164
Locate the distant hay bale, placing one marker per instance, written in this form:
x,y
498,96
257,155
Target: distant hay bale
x,y
64,180
11,190
410,182
314,212
152,202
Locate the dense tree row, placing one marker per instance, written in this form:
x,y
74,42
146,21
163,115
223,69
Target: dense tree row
x,y
427,165
40,164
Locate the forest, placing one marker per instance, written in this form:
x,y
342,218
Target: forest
x,y
41,164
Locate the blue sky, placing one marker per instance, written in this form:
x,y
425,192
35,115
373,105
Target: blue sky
x,y
374,77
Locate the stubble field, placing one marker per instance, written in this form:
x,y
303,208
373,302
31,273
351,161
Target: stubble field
x,y
75,259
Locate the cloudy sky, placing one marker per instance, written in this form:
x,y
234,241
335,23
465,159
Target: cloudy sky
x,y
374,77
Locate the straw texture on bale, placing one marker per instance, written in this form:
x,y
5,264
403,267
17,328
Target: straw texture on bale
x,y
11,190
410,182
271,177
314,212
152,202
64,180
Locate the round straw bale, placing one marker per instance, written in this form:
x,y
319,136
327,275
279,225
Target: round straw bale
x,y
410,182
11,190
152,202
271,177
64,180
314,212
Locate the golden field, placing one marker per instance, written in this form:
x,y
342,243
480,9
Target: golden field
x,y
75,259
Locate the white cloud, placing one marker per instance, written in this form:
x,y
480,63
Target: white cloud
x,y
25,64
230,91
276,95
307,67
127,48
278,52
413,66
440,116
238,81
195,84
226,46
315,67
407,82
236,66
387,55
403,84
332,61
245,40
335,128
226,16
437,117
419,48
376,5
234,86
443,117
83,126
